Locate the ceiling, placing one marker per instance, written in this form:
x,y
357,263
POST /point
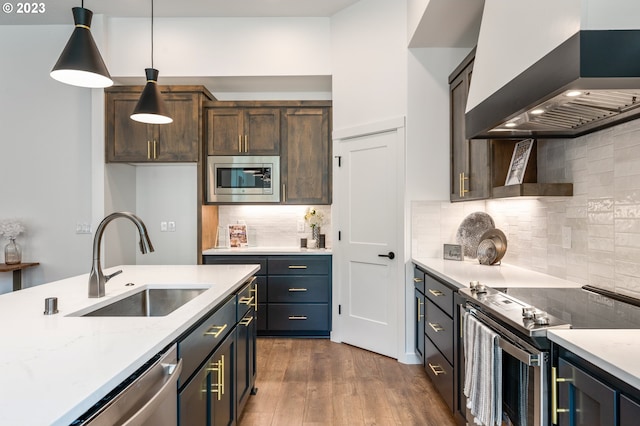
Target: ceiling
x,y
59,11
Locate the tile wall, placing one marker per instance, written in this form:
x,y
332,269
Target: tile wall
x,y
273,226
603,215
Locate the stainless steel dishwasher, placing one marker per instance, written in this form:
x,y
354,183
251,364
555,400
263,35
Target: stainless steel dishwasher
x,y
148,398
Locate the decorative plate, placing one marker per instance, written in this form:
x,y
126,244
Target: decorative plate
x,y
492,247
470,231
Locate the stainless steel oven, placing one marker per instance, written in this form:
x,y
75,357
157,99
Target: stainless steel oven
x,y
524,372
243,179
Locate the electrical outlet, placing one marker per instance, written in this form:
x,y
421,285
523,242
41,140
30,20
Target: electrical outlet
x,y
83,228
172,226
566,237
163,226
301,226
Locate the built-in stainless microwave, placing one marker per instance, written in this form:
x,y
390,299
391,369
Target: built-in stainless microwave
x,y
243,179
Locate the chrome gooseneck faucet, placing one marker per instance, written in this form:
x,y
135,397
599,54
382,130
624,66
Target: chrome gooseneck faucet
x,y
97,279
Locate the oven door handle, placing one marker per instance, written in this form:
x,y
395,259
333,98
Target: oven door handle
x,y
532,360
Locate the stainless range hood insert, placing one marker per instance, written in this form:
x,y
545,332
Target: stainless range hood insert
x,y
589,82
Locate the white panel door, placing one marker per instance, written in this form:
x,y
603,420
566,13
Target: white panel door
x,y
368,272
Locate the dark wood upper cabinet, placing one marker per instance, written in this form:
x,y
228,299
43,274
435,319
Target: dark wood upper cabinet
x,y
306,156
130,141
243,131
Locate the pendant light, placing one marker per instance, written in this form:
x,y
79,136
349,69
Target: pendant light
x,y
80,63
150,108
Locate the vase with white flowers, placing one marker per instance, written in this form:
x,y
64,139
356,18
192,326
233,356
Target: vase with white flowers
x,y
11,228
314,219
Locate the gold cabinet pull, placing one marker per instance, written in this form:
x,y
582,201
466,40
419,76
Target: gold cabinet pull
x,y
246,300
148,150
297,317
155,150
246,143
437,370
254,290
212,330
436,293
462,189
218,367
554,395
284,192
418,280
239,143
297,266
246,320
436,327
297,290
420,315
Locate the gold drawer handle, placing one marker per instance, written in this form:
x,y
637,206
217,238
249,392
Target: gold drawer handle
x,y
436,327
437,370
246,321
219,368
436,293
215,334
239,143
294,290
420,314
461,184
554,395
246,300
418,280
297,317
297,266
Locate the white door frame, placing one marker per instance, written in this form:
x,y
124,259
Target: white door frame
x,y
405,352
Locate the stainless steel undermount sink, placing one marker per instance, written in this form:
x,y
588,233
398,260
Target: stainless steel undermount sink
x,y
148,302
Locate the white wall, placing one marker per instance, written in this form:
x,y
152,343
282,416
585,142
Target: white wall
x,y
45,148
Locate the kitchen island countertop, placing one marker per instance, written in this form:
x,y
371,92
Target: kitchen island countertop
x,y
55,367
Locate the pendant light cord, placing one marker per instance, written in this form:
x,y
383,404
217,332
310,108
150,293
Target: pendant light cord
x,y
151,33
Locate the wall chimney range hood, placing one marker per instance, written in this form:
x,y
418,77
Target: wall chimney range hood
x,y
589,82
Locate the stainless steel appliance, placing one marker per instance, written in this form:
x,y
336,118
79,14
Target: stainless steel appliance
x,y
246,179
522,317
148,398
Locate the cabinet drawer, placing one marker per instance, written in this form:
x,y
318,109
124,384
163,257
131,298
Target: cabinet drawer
x,y
418,279
439,293
299,265
205,337
246,299
299,316
237,260
291,289
439,371
438,327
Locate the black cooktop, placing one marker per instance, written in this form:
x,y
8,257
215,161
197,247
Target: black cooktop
x,y
585,307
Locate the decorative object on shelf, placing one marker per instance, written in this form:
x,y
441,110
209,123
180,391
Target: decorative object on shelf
x,y
470,231
322,242
519,161
492,247
314,219
11,228
452,252
150,107
238,236
80,63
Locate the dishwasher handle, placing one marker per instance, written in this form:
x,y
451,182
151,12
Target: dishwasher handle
x,y
170,386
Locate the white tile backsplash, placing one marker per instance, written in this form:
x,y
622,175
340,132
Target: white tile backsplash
x,y
273,226
603,214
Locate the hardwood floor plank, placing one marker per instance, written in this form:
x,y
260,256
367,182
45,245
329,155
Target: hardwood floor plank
x,y
314,382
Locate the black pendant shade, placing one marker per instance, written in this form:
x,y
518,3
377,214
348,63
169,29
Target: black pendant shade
x,y
150,107
80,63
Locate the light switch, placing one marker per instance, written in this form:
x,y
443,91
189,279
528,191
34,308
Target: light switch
x,y
163,226
172,226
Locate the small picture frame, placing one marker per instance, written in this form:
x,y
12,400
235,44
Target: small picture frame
x,y
519,161
238,236
452,252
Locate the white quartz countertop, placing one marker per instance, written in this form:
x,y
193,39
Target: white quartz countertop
x,y
460,273
614,351
265,251
55,367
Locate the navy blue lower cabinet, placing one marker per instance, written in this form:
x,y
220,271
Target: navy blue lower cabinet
x,y
584,400
629,411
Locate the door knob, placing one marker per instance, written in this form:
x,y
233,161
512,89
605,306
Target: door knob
x,y
390,255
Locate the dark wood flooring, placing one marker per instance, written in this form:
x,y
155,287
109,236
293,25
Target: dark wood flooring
x,y
318,382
